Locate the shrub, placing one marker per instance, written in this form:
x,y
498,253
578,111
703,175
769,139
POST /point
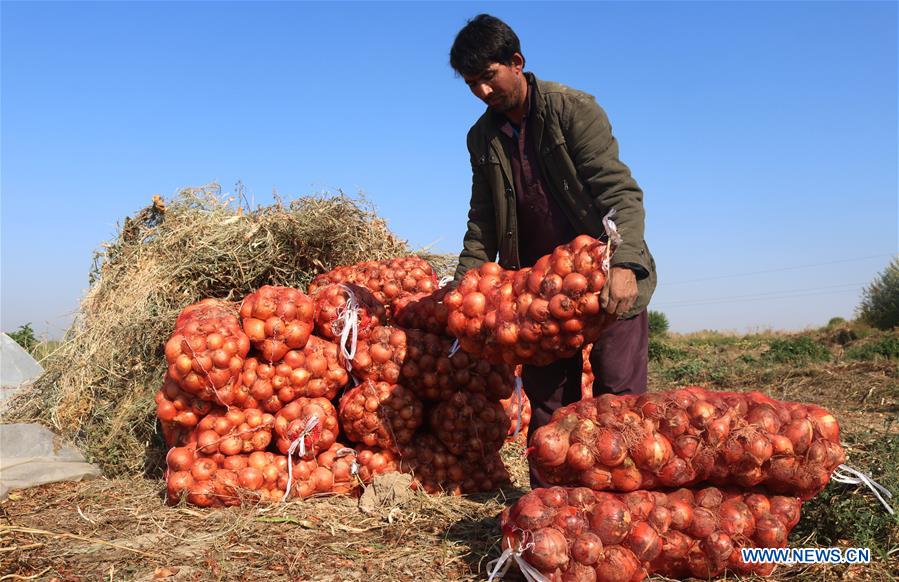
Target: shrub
x,y
835,321
658,324
24,336
659,350
880,299
798,350
884,347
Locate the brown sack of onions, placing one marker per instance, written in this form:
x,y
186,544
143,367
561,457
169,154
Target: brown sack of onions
x,y
387,280
579,534
207,350
311,423
689,436
312,372
331,305
234,432
518,409
179,412
486,474
380,414
470,425
375,461
277,319
424,311
533,316
433,467
381,356
434,372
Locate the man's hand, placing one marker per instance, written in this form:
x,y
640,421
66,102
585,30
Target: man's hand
x,y
620,291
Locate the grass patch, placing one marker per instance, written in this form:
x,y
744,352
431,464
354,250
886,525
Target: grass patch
x,y
797,350
884,347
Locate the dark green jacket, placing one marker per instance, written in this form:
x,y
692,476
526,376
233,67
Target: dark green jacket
x,y
579,159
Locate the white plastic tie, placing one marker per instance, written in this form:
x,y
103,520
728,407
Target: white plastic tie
x,y
348,323
614,238
454,348
299,442
500,566
444,282
354,468
844,474
518,394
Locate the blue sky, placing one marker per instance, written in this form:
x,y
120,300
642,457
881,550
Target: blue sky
x,y
764,134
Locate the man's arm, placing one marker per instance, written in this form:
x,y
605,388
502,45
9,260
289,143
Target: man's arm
x,y
479,244
594,151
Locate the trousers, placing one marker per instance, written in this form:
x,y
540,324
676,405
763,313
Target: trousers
x,y
619,358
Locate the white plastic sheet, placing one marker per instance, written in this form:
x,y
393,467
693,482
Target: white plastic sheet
x,y
17,367
30,454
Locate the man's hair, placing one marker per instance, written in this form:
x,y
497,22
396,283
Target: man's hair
x,y
485,39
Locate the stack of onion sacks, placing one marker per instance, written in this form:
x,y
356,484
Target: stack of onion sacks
x,y
579,534
689,436
533,316
388,280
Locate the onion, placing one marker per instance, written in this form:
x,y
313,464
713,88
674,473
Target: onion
x,y
610,520
644,542
611,448
652,452
660,519
736,518
704,522
787,508
550,446
825,423
770,532
681,513
626,477
570,521
618,565
800,433
596,478
587,549
579,457
550,549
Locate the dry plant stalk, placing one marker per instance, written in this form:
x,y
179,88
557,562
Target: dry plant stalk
x,y
98,387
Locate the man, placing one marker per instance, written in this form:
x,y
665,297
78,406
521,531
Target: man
x,y
545,169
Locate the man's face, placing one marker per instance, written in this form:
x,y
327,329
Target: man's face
x,y
499,86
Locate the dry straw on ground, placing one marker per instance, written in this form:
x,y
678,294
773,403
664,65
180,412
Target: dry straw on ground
x,y
99,385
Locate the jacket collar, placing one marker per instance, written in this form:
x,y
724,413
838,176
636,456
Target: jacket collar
x,y
535,114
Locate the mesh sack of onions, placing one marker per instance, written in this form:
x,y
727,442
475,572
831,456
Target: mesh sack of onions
x,y
335,305
277,319
375,461
580,534
198,480
306,427
536,315
518,409
312,372
234,432
388,280
342,461
433,467
179,412
434,371
469,425
379,414
207,350
424,311
485,474
380,357
688,436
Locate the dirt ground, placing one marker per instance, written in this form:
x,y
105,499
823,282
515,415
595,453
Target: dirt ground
x,y
121,530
